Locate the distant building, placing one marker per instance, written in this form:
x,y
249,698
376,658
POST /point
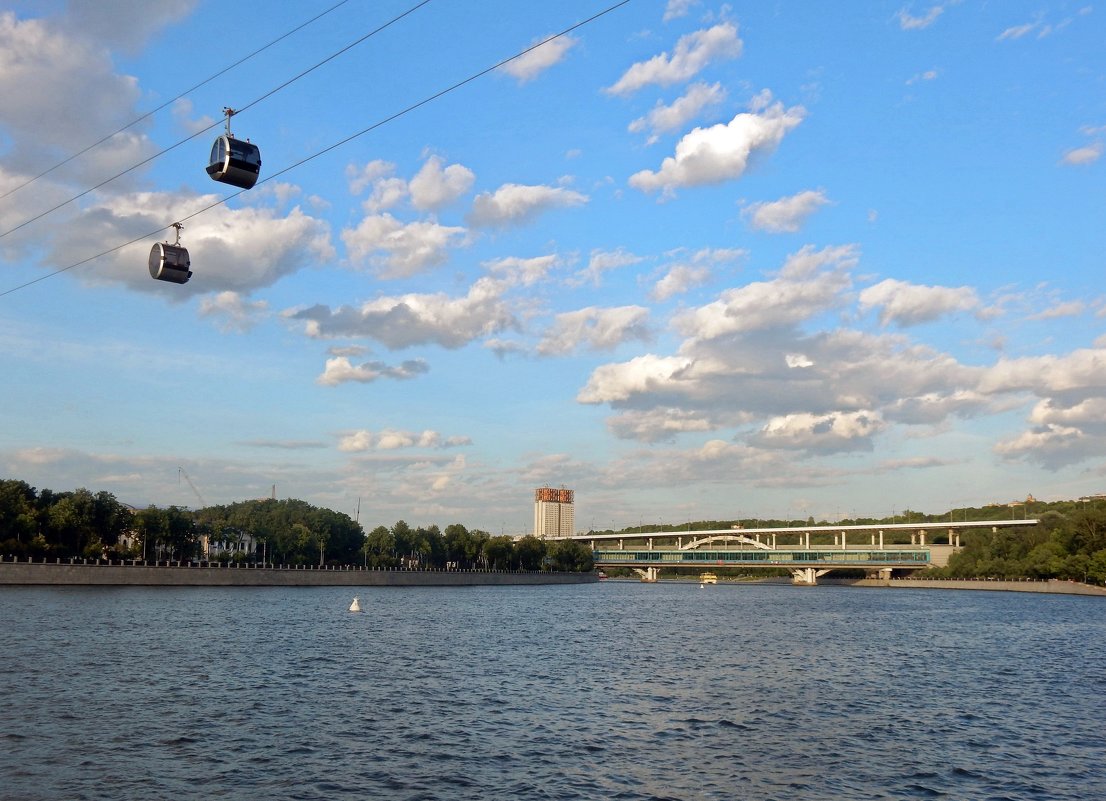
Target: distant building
x,y
553,513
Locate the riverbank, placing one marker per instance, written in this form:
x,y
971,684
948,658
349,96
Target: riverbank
x,y
1049,586
196,574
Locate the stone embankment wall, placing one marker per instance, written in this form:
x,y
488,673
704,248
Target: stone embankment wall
x,y
174,574
1054,586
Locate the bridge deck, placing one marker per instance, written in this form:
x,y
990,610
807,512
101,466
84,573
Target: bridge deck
x,y
821,557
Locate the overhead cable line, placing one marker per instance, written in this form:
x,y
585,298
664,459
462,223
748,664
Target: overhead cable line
x,y
186,92
238,110
328,149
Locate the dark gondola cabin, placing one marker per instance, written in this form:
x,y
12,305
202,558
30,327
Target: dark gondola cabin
x,y
170,262
235,162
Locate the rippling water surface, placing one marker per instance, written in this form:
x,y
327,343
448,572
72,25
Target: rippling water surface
x,y
613,690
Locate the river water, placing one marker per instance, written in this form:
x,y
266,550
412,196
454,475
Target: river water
x,y
604,691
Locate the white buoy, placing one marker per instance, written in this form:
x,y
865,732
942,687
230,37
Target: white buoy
x,y
700,585
355,606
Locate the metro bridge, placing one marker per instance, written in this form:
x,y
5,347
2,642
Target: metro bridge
x,y
768,548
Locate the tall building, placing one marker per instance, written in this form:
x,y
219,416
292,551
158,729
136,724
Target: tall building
x,y
553,515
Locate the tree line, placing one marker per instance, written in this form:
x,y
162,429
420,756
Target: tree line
x,y
83,524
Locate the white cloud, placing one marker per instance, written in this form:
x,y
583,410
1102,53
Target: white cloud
x,y
678,8
360,178
785,215
184,115
600,262
909,22
126,24
236,249
722,152
911,304
515,204
413,319
596,329
678,280
612,383
1070,309
433,187
393,439
339,370
656,425
837,431
529,66
928,75
399,249
1016,31
233,312
809,282
682,111
693,53
522,272
1051,445
1087,154
45,73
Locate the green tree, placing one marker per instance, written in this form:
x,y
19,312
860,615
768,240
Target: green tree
x,y
530,552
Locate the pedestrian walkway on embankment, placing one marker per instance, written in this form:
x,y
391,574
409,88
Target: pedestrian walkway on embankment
x,y
204,574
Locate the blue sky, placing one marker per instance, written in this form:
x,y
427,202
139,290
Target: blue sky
x,y
693,260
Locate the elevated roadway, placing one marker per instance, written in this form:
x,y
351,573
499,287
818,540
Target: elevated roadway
x,y
787,547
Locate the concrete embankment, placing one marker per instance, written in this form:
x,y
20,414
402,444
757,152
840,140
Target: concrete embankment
x,y
1053,586
193,575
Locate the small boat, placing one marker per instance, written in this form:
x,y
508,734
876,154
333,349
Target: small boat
x,y
355,606
707,578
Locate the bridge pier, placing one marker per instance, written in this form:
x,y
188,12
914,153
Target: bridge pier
x,y
806,576
648,574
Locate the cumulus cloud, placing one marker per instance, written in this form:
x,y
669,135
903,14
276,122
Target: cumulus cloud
x,y
810,281
515,204
613,383
393,439
693,270
232,311
46,72
595,328
680,112
339,370
785,215
678,280
1051,445
530,65
722,152
399,249
435,186
236,250
416,319
912,304
826,433
693,53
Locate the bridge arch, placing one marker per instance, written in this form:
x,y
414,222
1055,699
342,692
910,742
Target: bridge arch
x,y
691,546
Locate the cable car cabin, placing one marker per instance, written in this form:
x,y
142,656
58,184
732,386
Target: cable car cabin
x,y
234,162
169,263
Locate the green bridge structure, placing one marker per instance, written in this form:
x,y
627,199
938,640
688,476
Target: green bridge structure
x,y
788,548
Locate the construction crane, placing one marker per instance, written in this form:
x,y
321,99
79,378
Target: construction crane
x,y
181,472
